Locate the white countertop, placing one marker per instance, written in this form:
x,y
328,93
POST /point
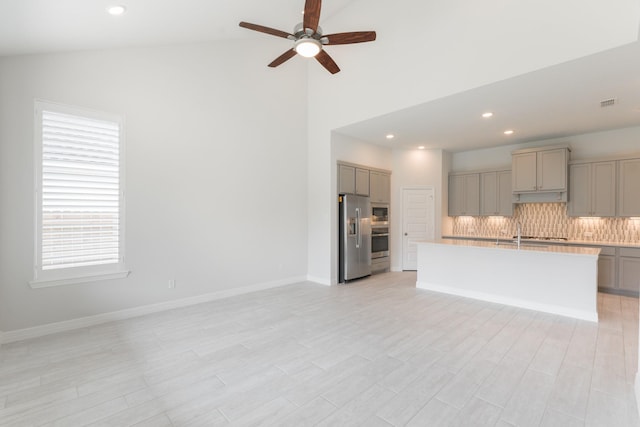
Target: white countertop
x,y
524,246
552,242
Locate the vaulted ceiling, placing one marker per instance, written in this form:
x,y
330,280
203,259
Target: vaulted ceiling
x,y
38,26
553,102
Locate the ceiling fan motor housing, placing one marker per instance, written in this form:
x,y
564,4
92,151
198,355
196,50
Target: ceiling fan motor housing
x,y
299,31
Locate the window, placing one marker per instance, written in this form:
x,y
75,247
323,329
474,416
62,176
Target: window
x,y
79,196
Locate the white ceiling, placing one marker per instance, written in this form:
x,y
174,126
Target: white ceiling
x,y
37,26
554,102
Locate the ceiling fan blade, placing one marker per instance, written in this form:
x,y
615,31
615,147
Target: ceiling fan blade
x,y
311,14
353,37
266,30
283,58
327,62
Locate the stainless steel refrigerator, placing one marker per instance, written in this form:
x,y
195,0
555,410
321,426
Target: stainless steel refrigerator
x,y
355,237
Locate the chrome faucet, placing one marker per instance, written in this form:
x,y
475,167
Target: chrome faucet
x,y
519,231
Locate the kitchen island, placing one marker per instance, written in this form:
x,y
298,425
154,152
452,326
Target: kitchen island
x,y
554,279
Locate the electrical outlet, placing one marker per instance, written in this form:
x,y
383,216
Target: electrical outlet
x,y
172,283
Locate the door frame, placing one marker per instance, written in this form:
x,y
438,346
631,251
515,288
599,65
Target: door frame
x,y
402,190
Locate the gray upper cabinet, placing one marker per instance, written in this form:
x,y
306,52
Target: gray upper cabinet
x,y
539,170
380,187
495,194
592,189
552,170
505,201
629,187
524,175
346,179
464,194
352,180
362,182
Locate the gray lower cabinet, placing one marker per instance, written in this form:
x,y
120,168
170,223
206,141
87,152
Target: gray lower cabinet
x,y
619,270
629,270
607,269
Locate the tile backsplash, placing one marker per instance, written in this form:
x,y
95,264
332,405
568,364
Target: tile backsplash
x,y
550,220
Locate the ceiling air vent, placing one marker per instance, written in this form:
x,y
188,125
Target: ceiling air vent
x,y
608,102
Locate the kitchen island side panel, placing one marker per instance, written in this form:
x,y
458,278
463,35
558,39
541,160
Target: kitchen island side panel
x,y
552,282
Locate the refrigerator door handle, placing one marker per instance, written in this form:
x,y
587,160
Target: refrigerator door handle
x,y
358,227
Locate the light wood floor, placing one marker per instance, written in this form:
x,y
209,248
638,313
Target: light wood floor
x,y
376,352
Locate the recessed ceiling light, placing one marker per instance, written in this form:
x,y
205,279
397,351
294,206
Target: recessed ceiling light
x,y
487,114
390,136
421,147
508,132
116,10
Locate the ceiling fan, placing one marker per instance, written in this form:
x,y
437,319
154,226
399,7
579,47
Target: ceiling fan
x,y
309,40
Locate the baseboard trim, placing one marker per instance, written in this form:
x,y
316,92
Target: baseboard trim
x,y
83,322
515,302
637,389
319,280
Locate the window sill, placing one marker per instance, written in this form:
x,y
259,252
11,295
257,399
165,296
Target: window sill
x,y
43,283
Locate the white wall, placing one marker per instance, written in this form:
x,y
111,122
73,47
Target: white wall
x,y
454,46
348,149
414,168
215,172
619,142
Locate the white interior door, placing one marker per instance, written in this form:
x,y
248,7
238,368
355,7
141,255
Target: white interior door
x,y
418,222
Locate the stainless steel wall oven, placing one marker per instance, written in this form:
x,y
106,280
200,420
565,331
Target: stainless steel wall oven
x,y
379,242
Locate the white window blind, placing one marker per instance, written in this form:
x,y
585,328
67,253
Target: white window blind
x,y
80,191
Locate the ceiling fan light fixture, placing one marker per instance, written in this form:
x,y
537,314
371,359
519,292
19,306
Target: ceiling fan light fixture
x,y
307,47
